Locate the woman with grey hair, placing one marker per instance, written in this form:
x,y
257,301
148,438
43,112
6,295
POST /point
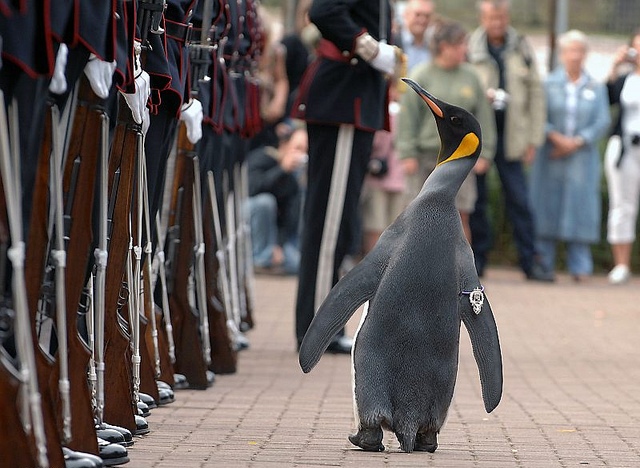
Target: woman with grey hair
x,y
565,176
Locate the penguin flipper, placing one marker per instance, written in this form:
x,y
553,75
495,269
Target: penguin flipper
x,y
486,350
353,290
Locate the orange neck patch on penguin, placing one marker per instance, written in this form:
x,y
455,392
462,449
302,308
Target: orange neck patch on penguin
x,y
467,147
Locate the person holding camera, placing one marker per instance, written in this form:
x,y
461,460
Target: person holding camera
x,y
451,79
622,158
566,173
506,62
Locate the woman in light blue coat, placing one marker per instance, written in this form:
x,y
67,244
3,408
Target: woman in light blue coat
x,y
566,174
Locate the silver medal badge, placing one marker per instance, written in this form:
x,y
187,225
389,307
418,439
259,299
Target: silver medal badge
x,y
476,298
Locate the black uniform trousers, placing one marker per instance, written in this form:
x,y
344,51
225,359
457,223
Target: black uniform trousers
x,y
338,159
157,144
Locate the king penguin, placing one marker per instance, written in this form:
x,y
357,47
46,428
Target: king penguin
x,y
418,284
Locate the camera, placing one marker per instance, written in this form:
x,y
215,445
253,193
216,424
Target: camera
x,y
378,167
632,55
499,98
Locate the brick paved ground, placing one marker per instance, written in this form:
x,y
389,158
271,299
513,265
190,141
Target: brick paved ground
x,y
571,398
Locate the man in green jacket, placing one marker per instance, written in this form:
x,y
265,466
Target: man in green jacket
x,y
506,63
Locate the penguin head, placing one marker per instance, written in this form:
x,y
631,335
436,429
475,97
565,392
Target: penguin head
x,y
459,130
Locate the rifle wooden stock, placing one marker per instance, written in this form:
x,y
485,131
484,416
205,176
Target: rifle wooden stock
x,y
224,356
166,366
36,255
147,373
189,356
119,408
78,188
15,445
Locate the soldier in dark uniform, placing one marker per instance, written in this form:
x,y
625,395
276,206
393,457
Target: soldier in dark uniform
x,y
343,99
172,99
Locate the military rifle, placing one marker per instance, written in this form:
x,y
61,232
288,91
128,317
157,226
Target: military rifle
x,y
78,182
32,418
225,349
119,407
190,359
161,273
16,445
36,255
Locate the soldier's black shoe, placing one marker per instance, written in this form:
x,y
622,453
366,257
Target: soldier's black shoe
x,y
166,396
110,435
126,433
112,454
180,381
340,345
142,427
143,409
148,400
74,459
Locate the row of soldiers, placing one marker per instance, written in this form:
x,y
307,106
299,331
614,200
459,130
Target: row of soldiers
x,y
125,261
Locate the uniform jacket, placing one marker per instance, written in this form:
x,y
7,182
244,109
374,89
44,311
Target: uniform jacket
x,y
211,93
525,111
231,94
27,37
177,17
565,192
344,89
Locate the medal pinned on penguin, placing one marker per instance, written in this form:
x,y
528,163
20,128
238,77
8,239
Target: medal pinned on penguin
x,y
418,284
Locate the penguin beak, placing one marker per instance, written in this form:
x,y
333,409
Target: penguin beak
x,y
431,101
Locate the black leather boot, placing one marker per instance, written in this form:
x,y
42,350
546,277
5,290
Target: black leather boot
x,y
112,454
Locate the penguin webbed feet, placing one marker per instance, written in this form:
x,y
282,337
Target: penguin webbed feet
x,y
369,439
426,442
423,441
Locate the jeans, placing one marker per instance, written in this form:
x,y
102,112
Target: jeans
x,y
516,197
263,213
579,259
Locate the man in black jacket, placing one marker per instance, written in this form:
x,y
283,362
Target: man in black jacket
x,y
343,99
274,204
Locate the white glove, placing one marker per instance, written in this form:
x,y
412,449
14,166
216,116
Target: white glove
x,y
58,84
137,101
385,60
191,114
380,55
100,75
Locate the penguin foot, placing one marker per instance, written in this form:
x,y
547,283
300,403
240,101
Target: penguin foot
x,y
407,441
426,442
369,439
